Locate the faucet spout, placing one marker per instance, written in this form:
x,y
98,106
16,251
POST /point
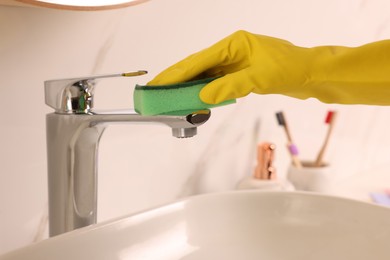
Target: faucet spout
x,y
72,152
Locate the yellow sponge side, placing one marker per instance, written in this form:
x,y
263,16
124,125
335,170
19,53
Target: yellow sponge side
x,y
176,99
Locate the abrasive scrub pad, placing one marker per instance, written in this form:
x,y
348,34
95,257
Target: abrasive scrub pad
x,y
176,99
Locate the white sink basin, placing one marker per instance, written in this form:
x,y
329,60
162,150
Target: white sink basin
x,y
240,225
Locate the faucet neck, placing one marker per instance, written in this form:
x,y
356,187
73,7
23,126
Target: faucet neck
x,y
72,151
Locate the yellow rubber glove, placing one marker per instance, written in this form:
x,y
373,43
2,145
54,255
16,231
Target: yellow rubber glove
x,y
266,65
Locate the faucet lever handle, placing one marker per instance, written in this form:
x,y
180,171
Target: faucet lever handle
x,y
75,95
124,74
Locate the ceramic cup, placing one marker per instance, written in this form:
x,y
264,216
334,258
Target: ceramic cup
x,y
311,177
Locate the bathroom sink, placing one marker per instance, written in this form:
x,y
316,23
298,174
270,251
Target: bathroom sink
x,y
233,225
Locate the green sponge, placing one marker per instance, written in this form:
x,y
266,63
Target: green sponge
x,y
176,99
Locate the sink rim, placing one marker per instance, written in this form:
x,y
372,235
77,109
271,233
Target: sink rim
x,y
154,212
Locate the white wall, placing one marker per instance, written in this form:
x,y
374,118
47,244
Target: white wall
x,y
143,166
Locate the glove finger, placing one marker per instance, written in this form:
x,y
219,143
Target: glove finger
x,y
182,71
231,86
230,53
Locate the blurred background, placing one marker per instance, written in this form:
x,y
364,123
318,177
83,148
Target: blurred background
x,y
143,166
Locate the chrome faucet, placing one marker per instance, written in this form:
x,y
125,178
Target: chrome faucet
x,y
73,132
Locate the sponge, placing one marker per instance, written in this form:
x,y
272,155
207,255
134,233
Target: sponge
x,y
175,99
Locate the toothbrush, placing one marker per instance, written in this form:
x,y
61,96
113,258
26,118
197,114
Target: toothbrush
x,y
290,144
293,149
330,120
282,122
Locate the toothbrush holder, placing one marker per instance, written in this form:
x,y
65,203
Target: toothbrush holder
x,y
310,177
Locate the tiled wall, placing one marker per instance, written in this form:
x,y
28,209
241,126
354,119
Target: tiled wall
x,y
143,166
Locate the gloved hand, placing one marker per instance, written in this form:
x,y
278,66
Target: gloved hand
x,y
266,65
